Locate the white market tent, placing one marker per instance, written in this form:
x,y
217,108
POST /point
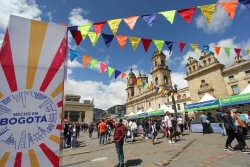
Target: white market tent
x,y
131,114
206,97
150,109
166,108
139,112
246,90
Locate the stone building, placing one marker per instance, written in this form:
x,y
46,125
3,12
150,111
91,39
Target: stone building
x,y
209,76
76,111
139,98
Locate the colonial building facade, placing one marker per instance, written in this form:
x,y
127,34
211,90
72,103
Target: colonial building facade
x,y
139,98
209,76
78,112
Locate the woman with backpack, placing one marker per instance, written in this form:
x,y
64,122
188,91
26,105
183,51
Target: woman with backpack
x,y
91,129
132,127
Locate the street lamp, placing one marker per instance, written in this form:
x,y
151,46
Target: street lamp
x,y
174,90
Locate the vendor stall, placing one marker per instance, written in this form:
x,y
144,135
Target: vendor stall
x,y
141,114
156,113
131,116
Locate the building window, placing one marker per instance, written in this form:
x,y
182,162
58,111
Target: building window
x,y
167,100
190,69
132,94
194,68
128,95
76,100
236,89
173,107
247,72
159,106
155,63
156,80
203,81
184,104
162,62
205,63
210,61
149,104
166,79
68,99
231,77
178,106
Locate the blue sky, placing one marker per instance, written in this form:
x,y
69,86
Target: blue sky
x,y
90,83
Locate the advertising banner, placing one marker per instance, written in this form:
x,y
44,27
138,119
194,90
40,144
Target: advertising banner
x,y
142,115
157,112
234,100
202,106
31,93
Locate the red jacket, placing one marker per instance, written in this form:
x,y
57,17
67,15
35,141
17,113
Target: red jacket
x,y
119,133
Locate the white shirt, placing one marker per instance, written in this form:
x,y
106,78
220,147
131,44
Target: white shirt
x,y
132,125
153,128
180,120
168,119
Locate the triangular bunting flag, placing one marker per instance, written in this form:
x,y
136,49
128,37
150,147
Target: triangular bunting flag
x,y
64,25
150,87
128,76
110,70
206,48
103,67
77,36
98,26
169,45
208,11
86,60
133,80
248,51
131,21
138,82
217,50
171,94
195,47
187,14
227,50
121,40
107,39
165,92
117,73
143,84
134,41
158,44
174,95
146,43
84,30
93,37
93,63
146,86
73,28
237,51
157,89
73,54
229,7
114,24
149,18
246,3
182,45
123,75
169,15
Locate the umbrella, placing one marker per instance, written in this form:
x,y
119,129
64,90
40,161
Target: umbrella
x,y
65,120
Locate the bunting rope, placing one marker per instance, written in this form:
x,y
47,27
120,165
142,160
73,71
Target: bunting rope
x,y
146,86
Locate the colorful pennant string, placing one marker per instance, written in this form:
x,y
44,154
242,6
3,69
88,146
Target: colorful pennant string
x,y
133,80
110,70
93,63
77,36
131,21
246,3
227,50
248,51
195,47
117,73
143,84
146,85
237,51
114,24
121,40
98,26
169,15
123,75
159,44
86,60
146,43
217,50
182,45
103,67
187,14
206,48
93,37
150,87
208,11
73,54
229,7
169,45
84,29
138,82
149,18
134,41
107,39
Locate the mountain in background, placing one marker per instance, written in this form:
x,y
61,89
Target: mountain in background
x,y
111,110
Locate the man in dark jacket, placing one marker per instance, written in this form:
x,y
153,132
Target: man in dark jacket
x,y
146,127
221,122
142,122
119,139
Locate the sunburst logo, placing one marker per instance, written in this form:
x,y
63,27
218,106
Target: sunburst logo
x,y
31,92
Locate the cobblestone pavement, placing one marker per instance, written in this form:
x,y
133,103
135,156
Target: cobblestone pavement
x,y
193,149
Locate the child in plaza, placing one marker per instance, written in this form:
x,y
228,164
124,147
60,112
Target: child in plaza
x,y
152,129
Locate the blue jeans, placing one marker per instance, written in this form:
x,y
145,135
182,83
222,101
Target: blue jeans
x,y
64,140
90,135
223,131
153,134
119,150
125,138
102,136
73,141
132,131
146,133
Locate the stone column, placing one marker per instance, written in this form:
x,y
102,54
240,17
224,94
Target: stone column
x,y
68,118
80,117
88,116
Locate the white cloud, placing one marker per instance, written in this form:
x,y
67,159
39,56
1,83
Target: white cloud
x,y
43,6
74,64
178,79
219,23
75,17
1,39
222,58
24,8
49,15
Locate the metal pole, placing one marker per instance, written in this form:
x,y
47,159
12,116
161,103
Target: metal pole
x,y
174,107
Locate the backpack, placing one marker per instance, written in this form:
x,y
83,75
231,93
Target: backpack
x,y
243,118
91,129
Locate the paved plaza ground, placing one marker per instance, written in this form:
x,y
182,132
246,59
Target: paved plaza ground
x,y
194,149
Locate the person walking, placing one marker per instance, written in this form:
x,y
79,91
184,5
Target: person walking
x,y
78,129
168,123
102,129
152,130
119,139
221,123
232,132
158,124
97,124
69,135
91,129
241,125
132,127
66,128
180,123
146,128
142,123
125,123
204,121
73,132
